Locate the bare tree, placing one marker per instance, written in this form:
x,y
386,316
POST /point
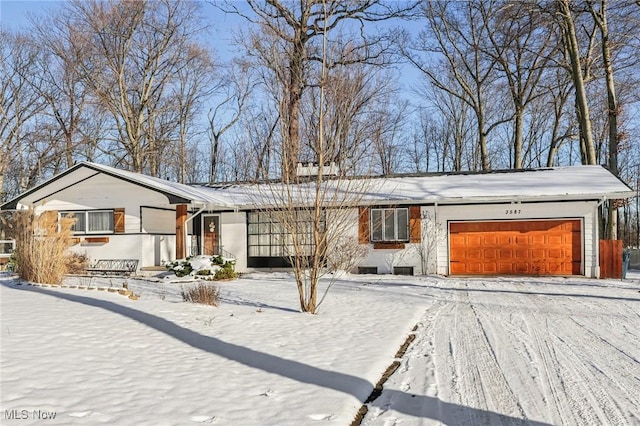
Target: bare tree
x,y
315,214
285,43
236,88
566,21
58,81
457,33
133,51
194,83
20,103
520,43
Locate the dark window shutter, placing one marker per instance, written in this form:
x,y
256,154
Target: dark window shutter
x,y
415,228
118,221
363,225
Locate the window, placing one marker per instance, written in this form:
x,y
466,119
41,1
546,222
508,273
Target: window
x,y
390,224
91,221
268,238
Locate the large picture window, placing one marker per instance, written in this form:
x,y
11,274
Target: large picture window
x,y
390,224
91,221
268,238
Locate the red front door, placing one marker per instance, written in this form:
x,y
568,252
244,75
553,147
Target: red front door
x,y
211,235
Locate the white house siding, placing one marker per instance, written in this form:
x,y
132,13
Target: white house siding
x,y
386,259
158,221
106,192
233,237
519,211
383,259
157,249
120,246
148,249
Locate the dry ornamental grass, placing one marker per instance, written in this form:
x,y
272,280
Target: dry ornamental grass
x,y
42,242
206,294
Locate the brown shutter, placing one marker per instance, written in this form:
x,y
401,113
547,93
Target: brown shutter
x,y
363,225
415,228
118,221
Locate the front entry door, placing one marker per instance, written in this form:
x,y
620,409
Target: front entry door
x,y
211,235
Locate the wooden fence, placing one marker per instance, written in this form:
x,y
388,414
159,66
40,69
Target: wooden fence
x,y
610,258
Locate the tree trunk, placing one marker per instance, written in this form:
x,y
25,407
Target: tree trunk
x,y
582,105
612,103
518,140
291,143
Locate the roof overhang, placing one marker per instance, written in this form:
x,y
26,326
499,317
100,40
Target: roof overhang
x,y
85,171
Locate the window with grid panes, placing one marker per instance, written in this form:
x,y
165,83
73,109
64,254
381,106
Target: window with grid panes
x,y
390,224
268,238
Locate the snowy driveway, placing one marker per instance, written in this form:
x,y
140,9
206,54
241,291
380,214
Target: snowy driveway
x,y
520,351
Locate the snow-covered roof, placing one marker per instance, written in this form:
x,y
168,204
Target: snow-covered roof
x,y
176,193
549,184
558,183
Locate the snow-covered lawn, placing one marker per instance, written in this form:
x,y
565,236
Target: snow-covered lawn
x,y
487,351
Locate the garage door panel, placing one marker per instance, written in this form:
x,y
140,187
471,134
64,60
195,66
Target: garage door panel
x,y
505,254
474,267
536,239
555,253
490,268
504,239
490,240
490,253
506,268
555,239
474,240
458,268
545,247
458,241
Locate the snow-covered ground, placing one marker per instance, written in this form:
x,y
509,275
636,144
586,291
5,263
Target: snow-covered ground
x,y
487,351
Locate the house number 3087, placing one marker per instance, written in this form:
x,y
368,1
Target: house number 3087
x,y
512,211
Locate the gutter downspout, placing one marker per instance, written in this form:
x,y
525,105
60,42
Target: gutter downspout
x,y
186,230
596,235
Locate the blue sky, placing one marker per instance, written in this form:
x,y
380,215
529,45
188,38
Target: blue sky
x,y
14,14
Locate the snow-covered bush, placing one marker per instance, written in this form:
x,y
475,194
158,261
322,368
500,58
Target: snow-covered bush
x,y
226,272
203,267
181,268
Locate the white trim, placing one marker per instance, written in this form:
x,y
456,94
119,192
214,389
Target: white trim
x,y
395,224
86,212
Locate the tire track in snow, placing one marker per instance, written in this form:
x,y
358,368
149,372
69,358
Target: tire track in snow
x,y
520,346
554,386
471,368
577,368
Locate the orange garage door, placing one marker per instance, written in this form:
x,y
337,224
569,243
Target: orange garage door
x,y
545,247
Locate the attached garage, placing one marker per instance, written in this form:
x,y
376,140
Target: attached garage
x,y
516,247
